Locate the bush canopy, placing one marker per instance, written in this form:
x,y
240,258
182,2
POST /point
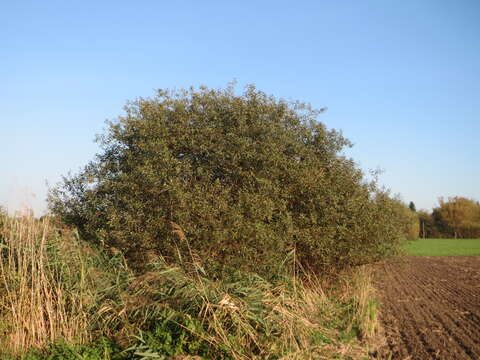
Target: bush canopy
x,y
232,180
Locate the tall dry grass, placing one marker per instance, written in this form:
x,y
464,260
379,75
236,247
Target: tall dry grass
x,y
40,301
365,301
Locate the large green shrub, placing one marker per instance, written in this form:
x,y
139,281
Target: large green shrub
x,y
234,180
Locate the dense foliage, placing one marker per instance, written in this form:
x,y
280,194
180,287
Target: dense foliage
x,y
458,217
234,180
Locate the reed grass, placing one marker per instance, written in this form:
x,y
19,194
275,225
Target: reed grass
x,y
38,303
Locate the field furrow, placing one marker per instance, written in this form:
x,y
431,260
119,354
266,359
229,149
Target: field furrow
x,y
431,307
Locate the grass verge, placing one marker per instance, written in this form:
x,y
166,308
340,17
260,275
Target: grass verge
x,y
62,299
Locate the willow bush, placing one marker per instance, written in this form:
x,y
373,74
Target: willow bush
x,y
230,181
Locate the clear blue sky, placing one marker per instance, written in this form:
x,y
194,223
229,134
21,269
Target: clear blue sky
x,y
401,79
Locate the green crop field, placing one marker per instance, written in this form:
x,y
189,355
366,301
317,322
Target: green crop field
x,y
443,247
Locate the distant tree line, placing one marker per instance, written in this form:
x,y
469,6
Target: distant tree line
x,y
457,217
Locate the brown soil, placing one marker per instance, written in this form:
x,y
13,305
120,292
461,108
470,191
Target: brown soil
x,y
430,307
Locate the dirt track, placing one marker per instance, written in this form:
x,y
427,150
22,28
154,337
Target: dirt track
x,y
431,307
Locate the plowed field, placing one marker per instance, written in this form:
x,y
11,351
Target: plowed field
x,y
431,307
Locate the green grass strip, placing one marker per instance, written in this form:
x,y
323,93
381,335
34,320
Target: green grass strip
x,y
443,247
